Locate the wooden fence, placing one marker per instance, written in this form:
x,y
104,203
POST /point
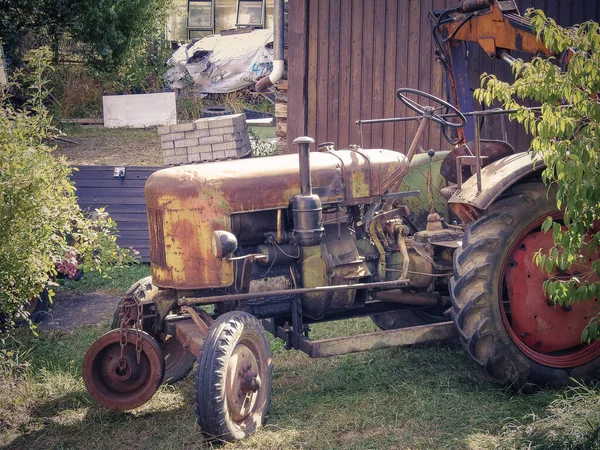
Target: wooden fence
x,y
360,52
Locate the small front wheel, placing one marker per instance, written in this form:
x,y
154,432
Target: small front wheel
x,y
233,378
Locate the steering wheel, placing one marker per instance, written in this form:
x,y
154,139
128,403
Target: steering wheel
x,y
429,111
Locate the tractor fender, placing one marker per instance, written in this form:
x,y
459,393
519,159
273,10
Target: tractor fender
x,y
496,178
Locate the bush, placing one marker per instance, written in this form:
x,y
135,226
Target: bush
x,y
41,225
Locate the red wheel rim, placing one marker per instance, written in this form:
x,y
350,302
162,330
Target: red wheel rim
x,y
546,333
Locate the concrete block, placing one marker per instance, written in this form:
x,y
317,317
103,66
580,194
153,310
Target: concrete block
x,y
225,146
197,133
139,110
219,154
193,157
164,129
207,156
173,137
181,127
200,124
231,153
182,151
200,149
210,140
170,152
222,130
167,145
186,143
175,160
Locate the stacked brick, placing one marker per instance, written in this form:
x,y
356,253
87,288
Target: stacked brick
x,y
210,139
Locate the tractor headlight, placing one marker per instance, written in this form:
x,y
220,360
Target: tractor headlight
x,y
224,243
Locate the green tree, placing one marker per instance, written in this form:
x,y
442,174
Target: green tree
x,y
109,31
41,226
567,135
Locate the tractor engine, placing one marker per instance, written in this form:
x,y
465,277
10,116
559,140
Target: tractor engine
x,y
271,224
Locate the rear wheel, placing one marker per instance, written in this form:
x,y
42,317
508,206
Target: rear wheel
x,y
506,323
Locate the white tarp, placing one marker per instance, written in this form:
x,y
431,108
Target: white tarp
x,y
220,64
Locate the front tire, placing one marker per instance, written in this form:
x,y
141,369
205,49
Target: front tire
x,y
506,323
233,378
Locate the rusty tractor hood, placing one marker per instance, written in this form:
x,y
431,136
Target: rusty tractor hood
x,y
254,184
187,203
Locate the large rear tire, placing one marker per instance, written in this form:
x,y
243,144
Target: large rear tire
x,y
506,323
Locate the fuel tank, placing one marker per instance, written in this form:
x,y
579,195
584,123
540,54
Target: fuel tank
x,y
187,203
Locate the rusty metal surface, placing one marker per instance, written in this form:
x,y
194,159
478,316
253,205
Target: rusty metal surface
x,y
536,321
123,388
416,179
493,30
249,296
494,150
187,333
496,178
393,338
195,200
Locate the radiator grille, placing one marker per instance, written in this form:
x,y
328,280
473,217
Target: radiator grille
x,y
157,237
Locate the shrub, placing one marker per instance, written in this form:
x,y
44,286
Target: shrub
x,y
41,225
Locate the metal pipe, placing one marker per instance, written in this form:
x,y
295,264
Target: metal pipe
x,y
478,158
303,143
415,142
298,291
278,45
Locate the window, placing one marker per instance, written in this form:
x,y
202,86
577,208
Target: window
x,y
251,13
201,17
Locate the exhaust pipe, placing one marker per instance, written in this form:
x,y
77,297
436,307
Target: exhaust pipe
x,y
278,63
306,207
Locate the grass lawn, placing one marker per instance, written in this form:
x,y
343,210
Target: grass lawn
x,y
420,397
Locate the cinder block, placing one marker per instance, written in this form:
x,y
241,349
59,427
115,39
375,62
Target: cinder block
x,y
200,124
175,160
173,137
231,153
222,130
219,154
181,127
206,156
164,129
193,157
182,151
218,122
197,133
167,145
225,146
200,149
210,140
186,143
169,152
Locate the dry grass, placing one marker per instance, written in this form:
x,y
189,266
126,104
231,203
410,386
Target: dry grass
x,y
95,145
420,397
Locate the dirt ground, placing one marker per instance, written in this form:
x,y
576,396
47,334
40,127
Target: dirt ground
x,y
95,145
69,311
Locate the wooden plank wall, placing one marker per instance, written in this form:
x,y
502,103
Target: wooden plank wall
x,y
123,199
360,51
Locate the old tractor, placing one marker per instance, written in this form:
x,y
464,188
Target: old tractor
x,y
279,243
